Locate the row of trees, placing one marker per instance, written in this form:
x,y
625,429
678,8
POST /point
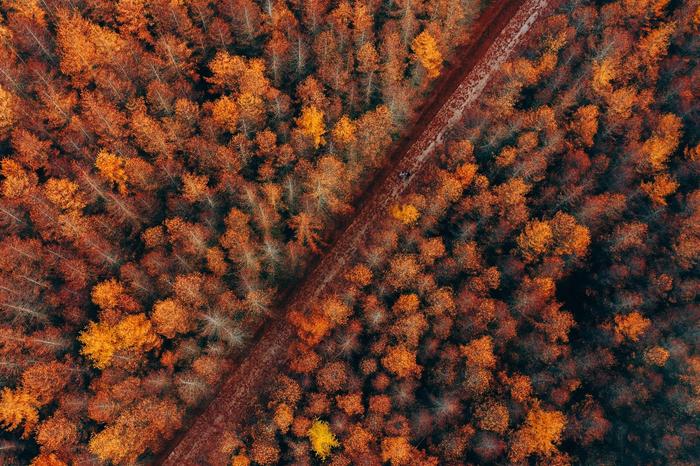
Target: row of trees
x,y
536,299
165,168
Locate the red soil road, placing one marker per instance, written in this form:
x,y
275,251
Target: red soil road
x,y
496,33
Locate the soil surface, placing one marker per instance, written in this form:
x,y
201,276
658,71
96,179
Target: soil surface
x,y
495,35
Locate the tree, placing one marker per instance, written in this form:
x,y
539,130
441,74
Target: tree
x,y
344,131
406,304
396,450
374,134
665,138
359,275
492,416
111,167
195,188
406,214
427,53
58,433
322,439
65,194
18,181
630,326
654,45
48,460
540,434
312,125
171,318
18,407
144,426
7,112
403,271
46,380
656,356
401,362
247,19
107,294
326,187
585,124
368,64
85,46
283,417
133,333
350,404
479,353
660,188
570,238
335,310
225,113
306,227
535,240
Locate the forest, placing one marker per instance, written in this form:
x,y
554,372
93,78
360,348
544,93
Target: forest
x,y
168,169
535,299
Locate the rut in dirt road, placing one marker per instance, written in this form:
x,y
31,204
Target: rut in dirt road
x,y
496,35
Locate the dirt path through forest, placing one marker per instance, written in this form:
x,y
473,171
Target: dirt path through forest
x,y
496,34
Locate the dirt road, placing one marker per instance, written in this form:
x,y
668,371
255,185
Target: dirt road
x,y
496,34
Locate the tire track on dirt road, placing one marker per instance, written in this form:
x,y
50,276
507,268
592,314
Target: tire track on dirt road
x,y
496,34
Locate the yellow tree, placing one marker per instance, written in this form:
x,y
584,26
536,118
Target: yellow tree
x,y
311,125
425,48
406,213
322,439
133,333
98,344
17,407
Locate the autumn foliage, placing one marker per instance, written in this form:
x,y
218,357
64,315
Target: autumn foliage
x,y
167,168
533,300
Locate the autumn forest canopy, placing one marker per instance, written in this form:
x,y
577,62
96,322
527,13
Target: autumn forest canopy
x,y
169,169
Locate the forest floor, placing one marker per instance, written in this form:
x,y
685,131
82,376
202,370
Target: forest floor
x,y
496,34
